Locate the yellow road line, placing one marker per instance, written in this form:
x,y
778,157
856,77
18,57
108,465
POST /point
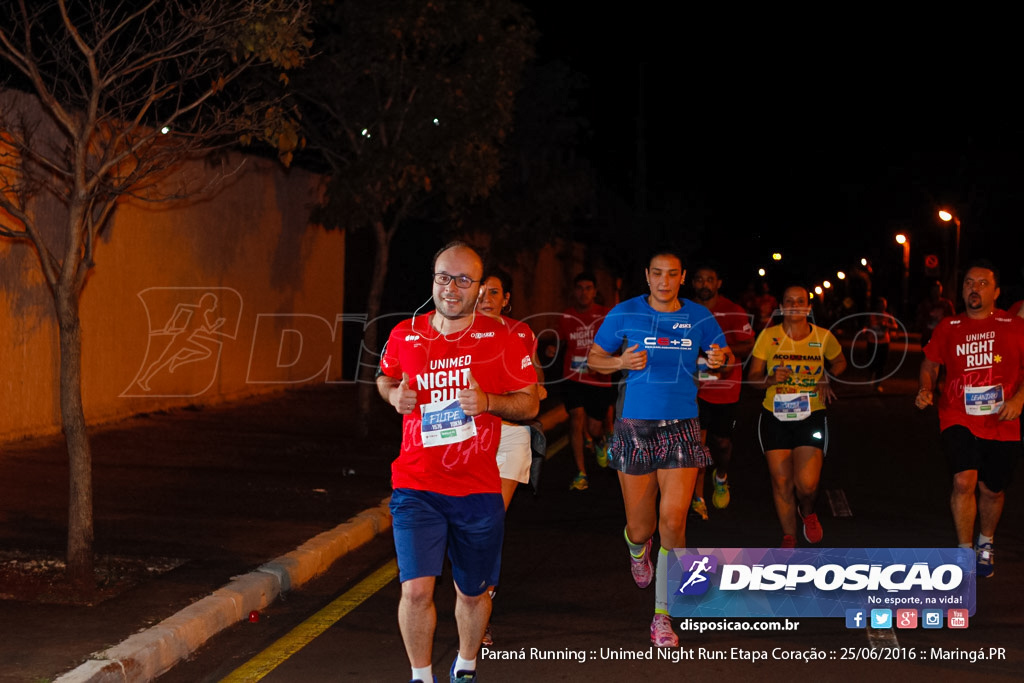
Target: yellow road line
x,y
303,634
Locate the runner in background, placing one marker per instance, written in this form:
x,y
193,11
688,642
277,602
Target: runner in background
x,y
879,333
766,306
588,395
515,454
719,393
932,309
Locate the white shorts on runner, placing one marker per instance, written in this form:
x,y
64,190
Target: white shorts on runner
x,y
514,454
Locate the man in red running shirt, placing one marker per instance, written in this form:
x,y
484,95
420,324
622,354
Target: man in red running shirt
x,y
719,392
981,399
589,396
453,375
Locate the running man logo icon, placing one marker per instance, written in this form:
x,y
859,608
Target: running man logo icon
x,y
695,570
187,327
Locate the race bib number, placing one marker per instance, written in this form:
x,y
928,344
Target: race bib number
x,y
578,364
791,407
702,371
983,400
445,423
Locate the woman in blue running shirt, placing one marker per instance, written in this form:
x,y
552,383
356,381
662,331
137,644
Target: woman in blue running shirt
x,y
655,340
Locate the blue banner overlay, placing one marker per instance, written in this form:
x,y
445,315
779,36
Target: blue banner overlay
x,y
823,582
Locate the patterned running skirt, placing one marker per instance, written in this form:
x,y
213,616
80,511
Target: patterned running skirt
x,y
645,446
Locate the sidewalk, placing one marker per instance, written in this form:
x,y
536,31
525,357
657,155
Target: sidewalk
x,y
223,489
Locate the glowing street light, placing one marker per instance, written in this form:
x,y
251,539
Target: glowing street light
x,y
776,256
760,271
818,290
841,275
826,284
947,217
863,261
904,240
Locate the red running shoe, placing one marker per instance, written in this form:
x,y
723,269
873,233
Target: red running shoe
x,y
812,528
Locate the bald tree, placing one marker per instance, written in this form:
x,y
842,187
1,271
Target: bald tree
x,y
408,104
104,100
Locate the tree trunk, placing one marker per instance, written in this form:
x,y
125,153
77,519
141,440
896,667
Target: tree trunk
x,y
80,504
367,381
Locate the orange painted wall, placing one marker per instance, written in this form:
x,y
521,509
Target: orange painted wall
x,y
276,280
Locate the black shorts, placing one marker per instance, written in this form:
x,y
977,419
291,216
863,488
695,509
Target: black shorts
x,y
718,419
776,435
993,460
594,400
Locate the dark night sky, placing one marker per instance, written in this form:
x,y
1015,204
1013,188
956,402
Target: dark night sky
x,y
817,138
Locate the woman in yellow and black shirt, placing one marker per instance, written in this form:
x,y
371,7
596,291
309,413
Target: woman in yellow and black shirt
x,y
794,360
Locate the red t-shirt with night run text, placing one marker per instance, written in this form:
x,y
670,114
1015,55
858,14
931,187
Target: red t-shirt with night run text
x,y
735,323
980,356
438,368
576,330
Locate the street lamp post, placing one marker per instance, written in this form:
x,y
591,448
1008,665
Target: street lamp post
x,y
947,217
904,240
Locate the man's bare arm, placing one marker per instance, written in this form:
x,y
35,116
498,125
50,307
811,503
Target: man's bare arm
x,y
397,393
927,379
516,406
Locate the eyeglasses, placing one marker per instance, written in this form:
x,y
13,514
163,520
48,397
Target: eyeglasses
x,y
461,281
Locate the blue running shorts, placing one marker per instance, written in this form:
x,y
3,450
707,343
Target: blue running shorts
x,y
471,527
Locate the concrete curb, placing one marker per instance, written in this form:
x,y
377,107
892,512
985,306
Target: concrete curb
x,y
147,654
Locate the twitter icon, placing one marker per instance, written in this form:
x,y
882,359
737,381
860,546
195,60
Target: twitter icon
x,y
881,618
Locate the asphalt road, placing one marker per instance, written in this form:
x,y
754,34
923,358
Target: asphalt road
x,y
568,606
220,489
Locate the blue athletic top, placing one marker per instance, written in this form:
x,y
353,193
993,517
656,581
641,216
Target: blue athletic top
x,y
666,389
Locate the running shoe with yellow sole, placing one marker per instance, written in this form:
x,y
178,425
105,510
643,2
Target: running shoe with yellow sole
x,y
601,452
720,498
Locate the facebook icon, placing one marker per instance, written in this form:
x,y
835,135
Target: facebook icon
x,y
855,618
